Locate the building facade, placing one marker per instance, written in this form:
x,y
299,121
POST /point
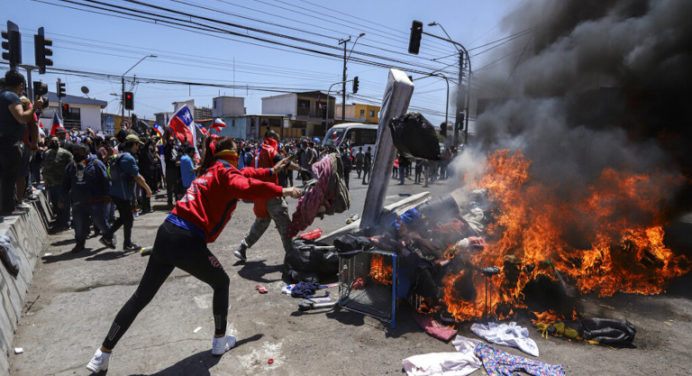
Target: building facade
x,y
83,112
227,106
359,112
309,113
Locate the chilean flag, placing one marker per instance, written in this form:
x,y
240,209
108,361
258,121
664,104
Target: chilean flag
x,y
57,124
158,130
182,125
204,131
218,124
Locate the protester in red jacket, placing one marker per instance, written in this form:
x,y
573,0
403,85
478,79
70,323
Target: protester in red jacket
x,y
267,210
181,241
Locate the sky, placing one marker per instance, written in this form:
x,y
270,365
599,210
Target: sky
x,y
92,40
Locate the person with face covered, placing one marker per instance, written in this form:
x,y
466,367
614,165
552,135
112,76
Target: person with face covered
x,y
55,159
181,241
87,184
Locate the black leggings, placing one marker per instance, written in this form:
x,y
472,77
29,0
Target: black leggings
x,y
174,247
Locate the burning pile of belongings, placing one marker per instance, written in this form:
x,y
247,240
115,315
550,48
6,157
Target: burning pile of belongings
x,y
507,246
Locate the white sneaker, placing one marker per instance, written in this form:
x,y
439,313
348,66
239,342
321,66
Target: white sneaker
x,y
222,344
99,362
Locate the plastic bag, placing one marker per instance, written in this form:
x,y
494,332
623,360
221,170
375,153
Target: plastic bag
x,y
415,137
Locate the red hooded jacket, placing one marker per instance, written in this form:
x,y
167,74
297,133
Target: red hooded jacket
x,y
265,159
209,202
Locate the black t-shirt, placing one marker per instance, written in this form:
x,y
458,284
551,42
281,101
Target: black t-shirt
x,y
11,130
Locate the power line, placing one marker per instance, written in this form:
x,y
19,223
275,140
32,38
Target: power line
x,y
189,24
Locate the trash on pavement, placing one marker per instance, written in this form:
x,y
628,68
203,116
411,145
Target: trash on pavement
x,y
197,329
146,251
261,289
18,350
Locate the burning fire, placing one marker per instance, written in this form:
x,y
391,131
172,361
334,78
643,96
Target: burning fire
x,y
379,271
606,240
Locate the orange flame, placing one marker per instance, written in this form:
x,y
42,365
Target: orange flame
x,y
619,237
379,271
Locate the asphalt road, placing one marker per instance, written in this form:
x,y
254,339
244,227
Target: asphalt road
x,y
74,298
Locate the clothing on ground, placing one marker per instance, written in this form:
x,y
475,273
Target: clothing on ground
x,y
500,363
434,328
507,334
305,289
7,255
441,364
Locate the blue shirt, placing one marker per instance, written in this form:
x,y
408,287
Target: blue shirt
x,y
124,187
186,174
11,130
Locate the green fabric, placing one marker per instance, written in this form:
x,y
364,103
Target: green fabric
x,y
54,162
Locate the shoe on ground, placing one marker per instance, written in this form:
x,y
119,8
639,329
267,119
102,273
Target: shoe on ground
x,y
99,362
110,243
131,247
220,345
240,252
78,248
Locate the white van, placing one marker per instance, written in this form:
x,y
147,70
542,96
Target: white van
x,y
353,134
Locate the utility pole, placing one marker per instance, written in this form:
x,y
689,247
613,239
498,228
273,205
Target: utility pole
x,y
343,80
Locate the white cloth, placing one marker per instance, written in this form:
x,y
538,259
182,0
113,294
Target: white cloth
x,y
508,334
465,344
442,364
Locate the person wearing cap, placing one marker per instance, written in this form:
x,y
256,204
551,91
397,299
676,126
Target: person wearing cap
x,y
124,173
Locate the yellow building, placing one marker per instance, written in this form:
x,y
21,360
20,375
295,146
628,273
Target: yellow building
x,y
359,112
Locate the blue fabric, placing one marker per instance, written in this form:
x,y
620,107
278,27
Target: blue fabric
x,y
500,363
410,216
123,188
187,225
86,183
186,166
84,214
11,130
305,289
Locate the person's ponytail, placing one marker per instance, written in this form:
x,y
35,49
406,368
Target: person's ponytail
x,y
212,144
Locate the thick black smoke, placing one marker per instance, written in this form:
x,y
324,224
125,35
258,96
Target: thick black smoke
x,y
592,85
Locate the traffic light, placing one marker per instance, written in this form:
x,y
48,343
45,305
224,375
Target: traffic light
x,y
414,42
65,110
443,129
129,100
61,89
355,84
12,42
41,50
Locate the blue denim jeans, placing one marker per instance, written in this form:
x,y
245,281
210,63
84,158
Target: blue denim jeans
x,y
81,213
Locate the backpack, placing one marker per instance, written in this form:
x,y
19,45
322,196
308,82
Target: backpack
x,y
113,166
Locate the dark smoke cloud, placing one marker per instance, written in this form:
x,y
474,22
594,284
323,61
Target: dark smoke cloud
x,y
594,84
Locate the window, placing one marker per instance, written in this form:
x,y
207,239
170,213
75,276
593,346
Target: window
x,y
364,137
362,113
303,107
372,113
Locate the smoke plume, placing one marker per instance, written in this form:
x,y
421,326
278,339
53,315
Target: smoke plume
x,y
592,85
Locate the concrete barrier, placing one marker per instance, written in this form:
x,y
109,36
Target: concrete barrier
x,y
28,234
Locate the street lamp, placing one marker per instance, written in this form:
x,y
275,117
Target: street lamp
x,y
122,88
462,53
343,79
